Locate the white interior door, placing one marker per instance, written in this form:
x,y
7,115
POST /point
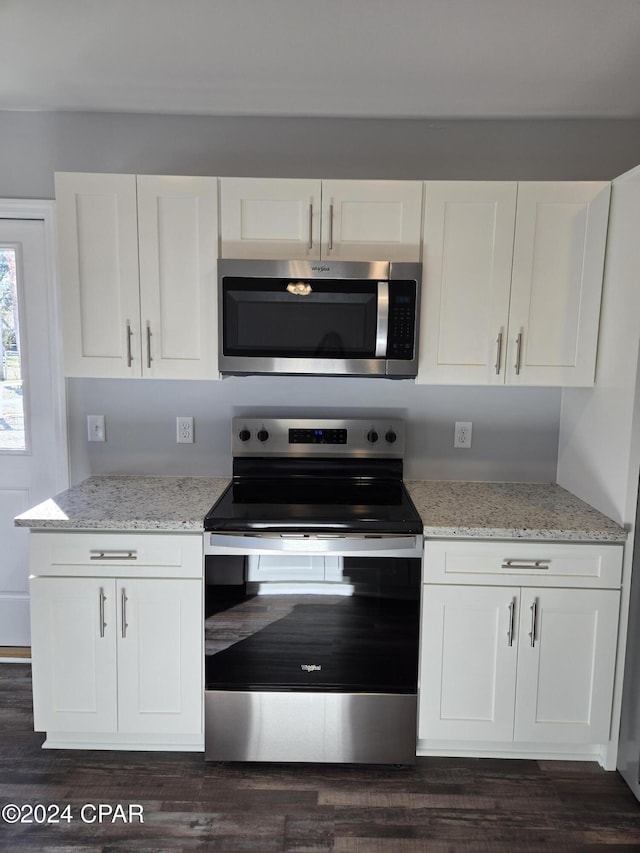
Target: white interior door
x,y
33,459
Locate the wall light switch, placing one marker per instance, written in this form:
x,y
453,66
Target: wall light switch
x,y
96,428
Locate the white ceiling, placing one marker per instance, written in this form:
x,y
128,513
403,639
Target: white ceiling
x,y
382,58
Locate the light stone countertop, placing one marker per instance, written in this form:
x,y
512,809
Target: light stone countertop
x,y
453,509
169,504
449,509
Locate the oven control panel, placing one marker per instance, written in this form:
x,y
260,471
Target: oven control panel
x,y
318,437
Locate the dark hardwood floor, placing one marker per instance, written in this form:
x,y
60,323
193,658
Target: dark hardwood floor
x,y
440,805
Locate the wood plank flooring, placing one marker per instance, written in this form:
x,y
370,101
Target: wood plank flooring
x,y
453,805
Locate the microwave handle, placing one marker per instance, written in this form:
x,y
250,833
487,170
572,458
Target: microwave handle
x,y
382,327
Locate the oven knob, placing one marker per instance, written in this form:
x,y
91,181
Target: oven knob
x,y
244,435
262,435
390,436
372,436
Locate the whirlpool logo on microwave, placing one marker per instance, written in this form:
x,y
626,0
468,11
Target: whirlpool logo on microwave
x,y
311,667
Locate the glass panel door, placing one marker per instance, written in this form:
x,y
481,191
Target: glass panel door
x,y
12,421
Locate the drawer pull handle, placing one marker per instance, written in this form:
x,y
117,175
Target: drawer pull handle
x,y
113,555
101,600
512,611
526,564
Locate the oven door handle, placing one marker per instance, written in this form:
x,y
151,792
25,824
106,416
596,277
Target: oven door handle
x,y
382,325
317,542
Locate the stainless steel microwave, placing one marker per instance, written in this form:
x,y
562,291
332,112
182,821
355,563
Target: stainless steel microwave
x,y
331,318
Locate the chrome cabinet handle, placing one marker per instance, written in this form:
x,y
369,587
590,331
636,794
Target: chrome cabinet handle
x,y
129,353
310,246
101,600
534,620
526,564
123,604
518,353
113,555
498,353
331,228
149,345
512,612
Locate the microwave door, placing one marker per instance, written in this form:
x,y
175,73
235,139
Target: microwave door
x,y
382,326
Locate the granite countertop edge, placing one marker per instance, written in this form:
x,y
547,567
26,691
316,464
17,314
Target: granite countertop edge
x,y
449,509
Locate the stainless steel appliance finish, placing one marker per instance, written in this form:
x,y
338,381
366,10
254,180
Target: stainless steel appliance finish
x,y
336,728
318,317
313,581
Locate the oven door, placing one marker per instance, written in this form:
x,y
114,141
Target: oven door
x,y
311,648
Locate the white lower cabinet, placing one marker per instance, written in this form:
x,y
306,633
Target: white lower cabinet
x,y
515,666
116,660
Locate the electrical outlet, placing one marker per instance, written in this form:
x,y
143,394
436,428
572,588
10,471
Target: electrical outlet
x,y
184,430
462,437
96,428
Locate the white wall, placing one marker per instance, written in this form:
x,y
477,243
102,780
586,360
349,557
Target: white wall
x,y
599,446
35,145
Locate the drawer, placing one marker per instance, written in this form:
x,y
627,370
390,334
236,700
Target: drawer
x,y
514,563
112,554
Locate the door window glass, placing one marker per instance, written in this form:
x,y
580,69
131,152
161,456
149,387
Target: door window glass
x,y
12,426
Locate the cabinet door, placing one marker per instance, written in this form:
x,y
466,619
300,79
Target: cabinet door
x,y
567,649
98,256
371,220
73,649
468,248
178,246
558,265
160,656
270,218
468,663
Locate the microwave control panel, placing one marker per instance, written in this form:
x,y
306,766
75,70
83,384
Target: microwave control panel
x,y
402,319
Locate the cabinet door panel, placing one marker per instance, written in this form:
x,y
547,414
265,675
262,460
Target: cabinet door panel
x,y
558,266
565,679
74,667
371,220
468,247
468,665
178,233
160,656
270,218
98,249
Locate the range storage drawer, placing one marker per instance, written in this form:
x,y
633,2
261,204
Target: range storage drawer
x,y
514,563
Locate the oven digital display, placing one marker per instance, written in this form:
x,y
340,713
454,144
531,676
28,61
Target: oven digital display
x,y
317,436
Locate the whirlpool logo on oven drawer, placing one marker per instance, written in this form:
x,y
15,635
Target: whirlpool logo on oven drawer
x,y
311,667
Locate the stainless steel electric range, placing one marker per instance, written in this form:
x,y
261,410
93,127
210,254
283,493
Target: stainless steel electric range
x,y
313,572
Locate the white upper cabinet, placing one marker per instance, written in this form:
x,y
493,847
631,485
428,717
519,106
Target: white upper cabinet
x,y
512,281
558,265
138,260
468,249
178,251
98,256
270,218
371,220
312,219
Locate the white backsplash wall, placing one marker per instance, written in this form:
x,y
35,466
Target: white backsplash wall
x,y
515,430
